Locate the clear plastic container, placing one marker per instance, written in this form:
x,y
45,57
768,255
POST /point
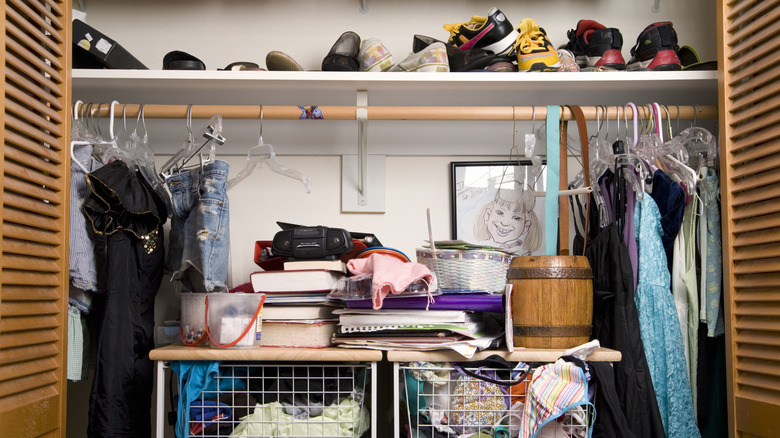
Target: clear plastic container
x,y
192,326
234,319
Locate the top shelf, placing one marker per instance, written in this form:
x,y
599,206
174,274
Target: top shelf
x,y
443,89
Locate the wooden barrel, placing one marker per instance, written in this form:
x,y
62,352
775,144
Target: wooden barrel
x,y
552,301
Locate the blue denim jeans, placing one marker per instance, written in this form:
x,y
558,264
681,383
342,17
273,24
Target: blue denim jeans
x,y
200,228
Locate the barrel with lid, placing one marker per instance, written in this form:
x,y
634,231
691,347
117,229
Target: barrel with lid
x,y
552,301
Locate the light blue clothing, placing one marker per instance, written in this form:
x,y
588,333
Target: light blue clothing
x,y
714,275
200,228
194,377
81,259
659,326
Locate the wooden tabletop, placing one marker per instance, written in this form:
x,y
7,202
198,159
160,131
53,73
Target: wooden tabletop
x,y
519,355
332,354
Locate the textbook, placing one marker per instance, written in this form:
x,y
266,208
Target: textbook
x,y
309,334
297,312
308,280
331,265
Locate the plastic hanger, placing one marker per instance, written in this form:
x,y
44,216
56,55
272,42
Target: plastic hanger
x,y
264,153
212,133
78,131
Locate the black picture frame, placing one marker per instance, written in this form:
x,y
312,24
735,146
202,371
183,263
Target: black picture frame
x,y
493,203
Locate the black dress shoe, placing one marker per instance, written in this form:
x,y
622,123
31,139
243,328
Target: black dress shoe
x,y
459,60
343,54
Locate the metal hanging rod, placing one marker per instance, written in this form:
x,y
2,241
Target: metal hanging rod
x,y
464,113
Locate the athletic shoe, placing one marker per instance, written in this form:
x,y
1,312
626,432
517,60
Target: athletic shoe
x,y
596,46
460,60
493,33
374,56
432,59
534,50
566,58
655,49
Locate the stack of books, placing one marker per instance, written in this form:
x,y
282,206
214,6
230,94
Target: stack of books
x,y
464,323
297,312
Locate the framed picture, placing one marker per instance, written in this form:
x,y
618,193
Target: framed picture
x,y
494,204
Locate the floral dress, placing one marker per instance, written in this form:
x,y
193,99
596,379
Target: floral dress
x,y
659,326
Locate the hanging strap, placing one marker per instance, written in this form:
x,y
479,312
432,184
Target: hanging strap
x,y
582,128
553,166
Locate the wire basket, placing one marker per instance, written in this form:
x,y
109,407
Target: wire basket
x,y
436,404
469,270
324,400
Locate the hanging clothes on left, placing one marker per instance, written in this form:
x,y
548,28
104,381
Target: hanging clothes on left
x,y
124,209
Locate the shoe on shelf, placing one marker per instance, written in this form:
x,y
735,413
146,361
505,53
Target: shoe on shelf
x,y
459,60
343,55
567,60
280,61
493,33
431,59
374,56
533,48
655,49
596,46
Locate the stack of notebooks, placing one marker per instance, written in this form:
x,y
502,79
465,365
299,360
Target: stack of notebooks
x,y
297,312
463,322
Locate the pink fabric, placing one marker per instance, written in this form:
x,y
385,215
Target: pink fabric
x,y
390,275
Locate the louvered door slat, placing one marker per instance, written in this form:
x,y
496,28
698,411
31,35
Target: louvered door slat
x,y
30,352
31,29
31,42
34,164
750,194
44,167
36,91
50,23
33,103
33,220
31,147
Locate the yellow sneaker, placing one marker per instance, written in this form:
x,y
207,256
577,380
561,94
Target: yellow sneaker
x,y
534,50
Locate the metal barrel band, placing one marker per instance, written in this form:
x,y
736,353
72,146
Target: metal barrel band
x,y
553,331
552,273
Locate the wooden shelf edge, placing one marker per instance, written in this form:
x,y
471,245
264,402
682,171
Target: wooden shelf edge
x,y
177,352
519,355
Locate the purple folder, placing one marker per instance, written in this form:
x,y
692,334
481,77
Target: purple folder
x,y
461,301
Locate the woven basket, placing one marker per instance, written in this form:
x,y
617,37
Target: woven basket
x,y
467,270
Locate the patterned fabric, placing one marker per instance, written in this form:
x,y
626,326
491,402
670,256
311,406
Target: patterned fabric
x,y
554,389
714,283
660,327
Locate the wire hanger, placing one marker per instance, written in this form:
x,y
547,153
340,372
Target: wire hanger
x,y
264,153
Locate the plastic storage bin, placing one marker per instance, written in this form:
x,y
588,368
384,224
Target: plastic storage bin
x,y
234,320
192,325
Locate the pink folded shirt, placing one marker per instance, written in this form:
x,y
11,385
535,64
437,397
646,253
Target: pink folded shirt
x,y
389,275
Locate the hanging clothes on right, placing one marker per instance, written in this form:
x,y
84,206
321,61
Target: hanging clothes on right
x,y
660,327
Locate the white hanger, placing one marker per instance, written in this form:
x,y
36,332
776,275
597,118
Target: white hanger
x,y
74,143
263,152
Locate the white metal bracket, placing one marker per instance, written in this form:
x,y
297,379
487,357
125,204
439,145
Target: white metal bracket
x,y
364,6
362,176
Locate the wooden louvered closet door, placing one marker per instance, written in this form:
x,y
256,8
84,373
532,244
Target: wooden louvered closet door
x,y
750,133
34,163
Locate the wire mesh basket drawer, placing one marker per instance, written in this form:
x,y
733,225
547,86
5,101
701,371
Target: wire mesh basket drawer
x,y
272,399
441,400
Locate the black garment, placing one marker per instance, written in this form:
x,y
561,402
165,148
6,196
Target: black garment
x,y
610,419
616,326
126,211
670,198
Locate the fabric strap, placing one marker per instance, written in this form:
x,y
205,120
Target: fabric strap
x,y
553,168
582,128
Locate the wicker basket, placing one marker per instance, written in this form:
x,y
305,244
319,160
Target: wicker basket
x,y
467,270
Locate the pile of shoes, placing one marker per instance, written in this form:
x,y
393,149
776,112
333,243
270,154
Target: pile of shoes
x,y
491,43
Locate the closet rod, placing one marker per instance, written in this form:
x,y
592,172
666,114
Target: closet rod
x,y
473,113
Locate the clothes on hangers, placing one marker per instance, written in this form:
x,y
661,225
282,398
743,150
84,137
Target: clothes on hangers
x,y
616,320
670,199
199,247
122,207
659,325
711,247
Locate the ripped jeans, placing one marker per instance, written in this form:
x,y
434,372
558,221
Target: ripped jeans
x,y
200,228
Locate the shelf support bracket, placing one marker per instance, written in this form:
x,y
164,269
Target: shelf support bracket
x,y
366,193
364,6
